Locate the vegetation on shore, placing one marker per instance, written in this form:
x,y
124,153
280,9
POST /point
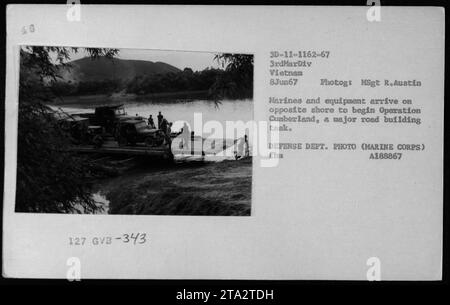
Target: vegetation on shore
x,y
222,188
91,101
50,179
234,81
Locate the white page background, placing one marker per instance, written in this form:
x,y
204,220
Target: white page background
x,y
318,215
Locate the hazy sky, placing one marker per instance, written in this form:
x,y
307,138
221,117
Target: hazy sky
x,y
197,61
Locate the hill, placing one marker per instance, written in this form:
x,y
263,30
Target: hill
x,y
87,69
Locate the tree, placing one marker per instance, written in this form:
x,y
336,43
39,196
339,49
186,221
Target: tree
x,y
237,81
50,178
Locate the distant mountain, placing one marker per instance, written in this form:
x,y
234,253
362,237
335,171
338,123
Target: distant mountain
x,y
87,69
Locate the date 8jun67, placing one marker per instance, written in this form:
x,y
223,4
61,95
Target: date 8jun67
x,y
126,238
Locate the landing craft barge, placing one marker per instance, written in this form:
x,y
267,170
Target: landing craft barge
x,y
109,130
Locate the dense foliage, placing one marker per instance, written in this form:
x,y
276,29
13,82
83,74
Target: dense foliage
x,y
49,177
234,80
238,76
105,86
185,80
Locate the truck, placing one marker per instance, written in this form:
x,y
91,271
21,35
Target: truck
x,y
132,131
109,130
108,117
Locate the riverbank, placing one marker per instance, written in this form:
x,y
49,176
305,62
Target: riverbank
x,y
194,188
101,99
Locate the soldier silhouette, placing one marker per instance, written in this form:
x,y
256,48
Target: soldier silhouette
x,y
151,123
160,119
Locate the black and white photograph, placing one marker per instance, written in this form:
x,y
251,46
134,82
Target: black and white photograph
x,y
217,143
122,131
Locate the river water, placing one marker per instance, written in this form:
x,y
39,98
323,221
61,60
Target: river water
x,y
179,111
176,111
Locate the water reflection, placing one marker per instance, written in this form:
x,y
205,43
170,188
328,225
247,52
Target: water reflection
x,y
102,202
